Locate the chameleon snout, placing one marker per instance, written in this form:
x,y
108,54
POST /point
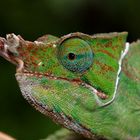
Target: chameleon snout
x,y
3,48
8,50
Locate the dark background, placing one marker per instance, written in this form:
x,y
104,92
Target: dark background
x,y
34,18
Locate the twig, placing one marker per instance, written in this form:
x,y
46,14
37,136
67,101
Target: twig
x,y
4,136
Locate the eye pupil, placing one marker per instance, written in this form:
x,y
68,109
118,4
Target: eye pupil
x,y
71,56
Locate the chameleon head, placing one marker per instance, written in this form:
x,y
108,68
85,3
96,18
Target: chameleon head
x,y
60,76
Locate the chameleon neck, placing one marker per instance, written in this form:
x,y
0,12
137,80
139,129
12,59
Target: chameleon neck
x,y
120,120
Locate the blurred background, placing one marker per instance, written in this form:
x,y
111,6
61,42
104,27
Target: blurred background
x,y
34,18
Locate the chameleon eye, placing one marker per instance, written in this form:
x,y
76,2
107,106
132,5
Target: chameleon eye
x,y
75,54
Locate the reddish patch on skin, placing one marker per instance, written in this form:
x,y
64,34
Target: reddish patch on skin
x,y
30,46
28,53
104,67
49,75
115,47
108,44
120,39
102,95
34,60
129,72
1,44
106,52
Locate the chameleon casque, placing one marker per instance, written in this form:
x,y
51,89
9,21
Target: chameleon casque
x,y
88,84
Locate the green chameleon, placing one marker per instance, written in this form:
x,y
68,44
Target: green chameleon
x,y
88,84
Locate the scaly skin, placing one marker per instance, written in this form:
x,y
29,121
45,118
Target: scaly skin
x,y
72,79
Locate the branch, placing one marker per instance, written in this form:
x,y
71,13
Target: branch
x,y
4,136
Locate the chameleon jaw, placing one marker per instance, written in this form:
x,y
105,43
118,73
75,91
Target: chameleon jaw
x,y
26,85
98,94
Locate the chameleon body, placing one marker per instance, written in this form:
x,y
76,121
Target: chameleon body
x,y
88,84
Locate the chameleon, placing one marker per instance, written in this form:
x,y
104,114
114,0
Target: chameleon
x,y
89,84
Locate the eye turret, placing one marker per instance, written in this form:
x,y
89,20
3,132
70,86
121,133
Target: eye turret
x,y
75,54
